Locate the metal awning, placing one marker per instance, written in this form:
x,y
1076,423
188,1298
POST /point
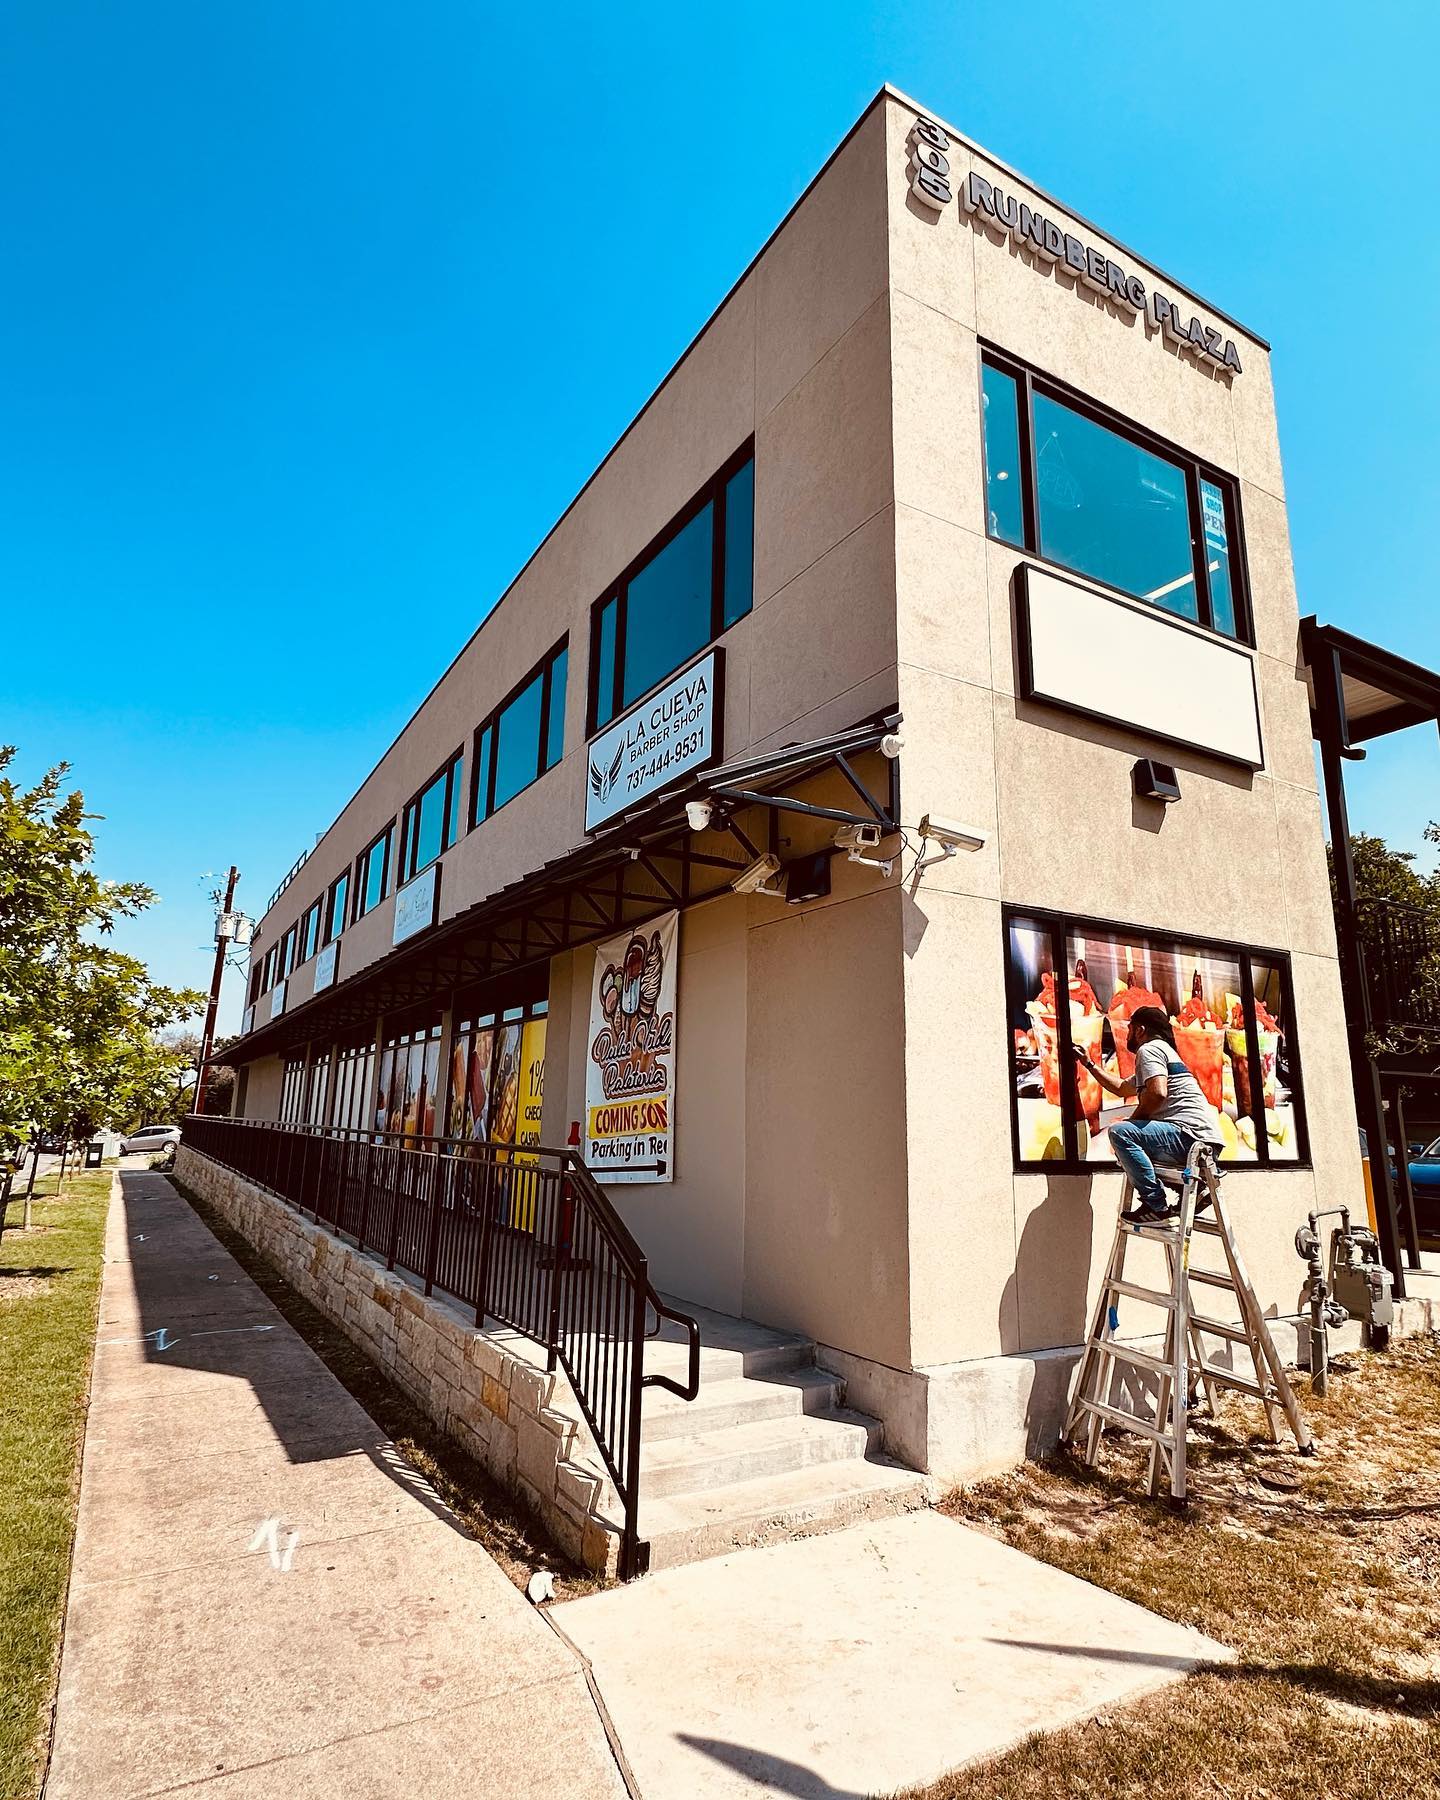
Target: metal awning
x,y
1370,690
646,862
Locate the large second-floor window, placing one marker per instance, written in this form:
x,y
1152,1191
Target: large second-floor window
x,y
287,955
372,873
335,907
1068,482
522,738
430,823
309,933
694,582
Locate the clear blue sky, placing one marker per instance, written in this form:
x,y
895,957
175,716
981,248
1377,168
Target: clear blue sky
x,y
315,316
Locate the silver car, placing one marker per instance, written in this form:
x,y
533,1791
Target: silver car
x,y
150,1137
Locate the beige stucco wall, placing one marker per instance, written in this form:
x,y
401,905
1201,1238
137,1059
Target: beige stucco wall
x,y
798,357
1004,1261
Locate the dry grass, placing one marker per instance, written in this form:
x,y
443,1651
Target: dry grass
x,y
1323,1574
511,1534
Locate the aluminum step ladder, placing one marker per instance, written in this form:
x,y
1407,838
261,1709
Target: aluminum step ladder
x,y
1183,1369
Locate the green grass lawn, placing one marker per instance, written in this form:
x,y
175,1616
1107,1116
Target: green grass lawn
x,y
49,1289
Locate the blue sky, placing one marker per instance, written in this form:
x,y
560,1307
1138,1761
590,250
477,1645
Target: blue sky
x,y
316,316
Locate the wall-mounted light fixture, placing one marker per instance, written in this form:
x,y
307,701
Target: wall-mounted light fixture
x,y
1155,781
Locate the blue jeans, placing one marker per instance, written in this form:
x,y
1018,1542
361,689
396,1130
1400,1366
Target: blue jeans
x,y
1139,1144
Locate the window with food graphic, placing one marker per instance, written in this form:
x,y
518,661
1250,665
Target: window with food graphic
x,y
1229,1009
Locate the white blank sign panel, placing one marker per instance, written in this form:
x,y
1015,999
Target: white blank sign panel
x,y
1136,667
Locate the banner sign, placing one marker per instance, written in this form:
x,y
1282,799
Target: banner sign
x,y
416,905
277,1000
325,965
673,733
247,1024
630,1059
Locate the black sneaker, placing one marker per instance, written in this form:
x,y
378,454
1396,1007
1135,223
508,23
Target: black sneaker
x,y
1144,1214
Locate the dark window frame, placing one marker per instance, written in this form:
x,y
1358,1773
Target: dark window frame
x,y
1195,469
450,772
1063,925
289,943
482,764
713,492
360,867
327,936
316,906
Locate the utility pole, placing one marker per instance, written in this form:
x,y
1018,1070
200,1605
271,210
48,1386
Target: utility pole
x,y
222,946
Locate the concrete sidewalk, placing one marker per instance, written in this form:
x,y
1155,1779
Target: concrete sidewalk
x,y
265,1601
858,1663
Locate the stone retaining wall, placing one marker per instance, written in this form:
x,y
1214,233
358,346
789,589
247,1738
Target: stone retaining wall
x,y
489,1390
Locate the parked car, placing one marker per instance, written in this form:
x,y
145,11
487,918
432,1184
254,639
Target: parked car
x,y
150,1137
1424,1163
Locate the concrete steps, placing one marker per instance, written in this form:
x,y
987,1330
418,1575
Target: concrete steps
x,y
767,1451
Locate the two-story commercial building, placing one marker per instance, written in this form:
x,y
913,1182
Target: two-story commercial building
x,y
912,692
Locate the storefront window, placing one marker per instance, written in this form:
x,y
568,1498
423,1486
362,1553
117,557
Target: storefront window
x,y
406,1094
497,1076
1098,496
1228,1010
679,596
354,1063
292,1091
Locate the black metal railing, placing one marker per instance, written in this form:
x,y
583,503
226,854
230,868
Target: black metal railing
x,y
523,1236
1400,953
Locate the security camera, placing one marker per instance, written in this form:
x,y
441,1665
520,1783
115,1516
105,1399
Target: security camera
x,y
891,745
757,878
950,836
698,814
858,837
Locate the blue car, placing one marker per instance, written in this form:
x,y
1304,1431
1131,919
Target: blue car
x,y
1424,1166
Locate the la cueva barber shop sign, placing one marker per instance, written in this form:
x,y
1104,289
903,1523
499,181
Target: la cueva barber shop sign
x,y
672,733
995,208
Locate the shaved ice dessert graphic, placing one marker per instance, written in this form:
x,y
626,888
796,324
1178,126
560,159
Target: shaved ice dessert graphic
x,y
1086,1024
1129,997
1268,1033
1200,1042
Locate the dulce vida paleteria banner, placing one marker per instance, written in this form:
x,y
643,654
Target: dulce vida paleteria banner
x,y
630,1063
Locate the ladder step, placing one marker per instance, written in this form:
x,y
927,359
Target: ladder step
x,y
1125,1353
1113,1415
1237,1334
1228,1378
1213,1278
1132,1291
1207,1226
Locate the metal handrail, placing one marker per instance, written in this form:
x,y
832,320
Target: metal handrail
x,y
523,1233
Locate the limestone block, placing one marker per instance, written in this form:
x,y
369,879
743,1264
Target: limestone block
x,y
530,1388
576,1487
600,1548
535,1453
561,1425
500,1452
495,1398
483,1355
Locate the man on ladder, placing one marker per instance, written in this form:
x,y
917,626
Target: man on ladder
x,y
1171,1113
1174,1128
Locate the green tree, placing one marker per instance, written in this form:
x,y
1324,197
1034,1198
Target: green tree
x,y
80,1023
1398,922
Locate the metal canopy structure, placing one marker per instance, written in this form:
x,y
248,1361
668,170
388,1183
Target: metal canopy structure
x,y
646,862
1359,692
